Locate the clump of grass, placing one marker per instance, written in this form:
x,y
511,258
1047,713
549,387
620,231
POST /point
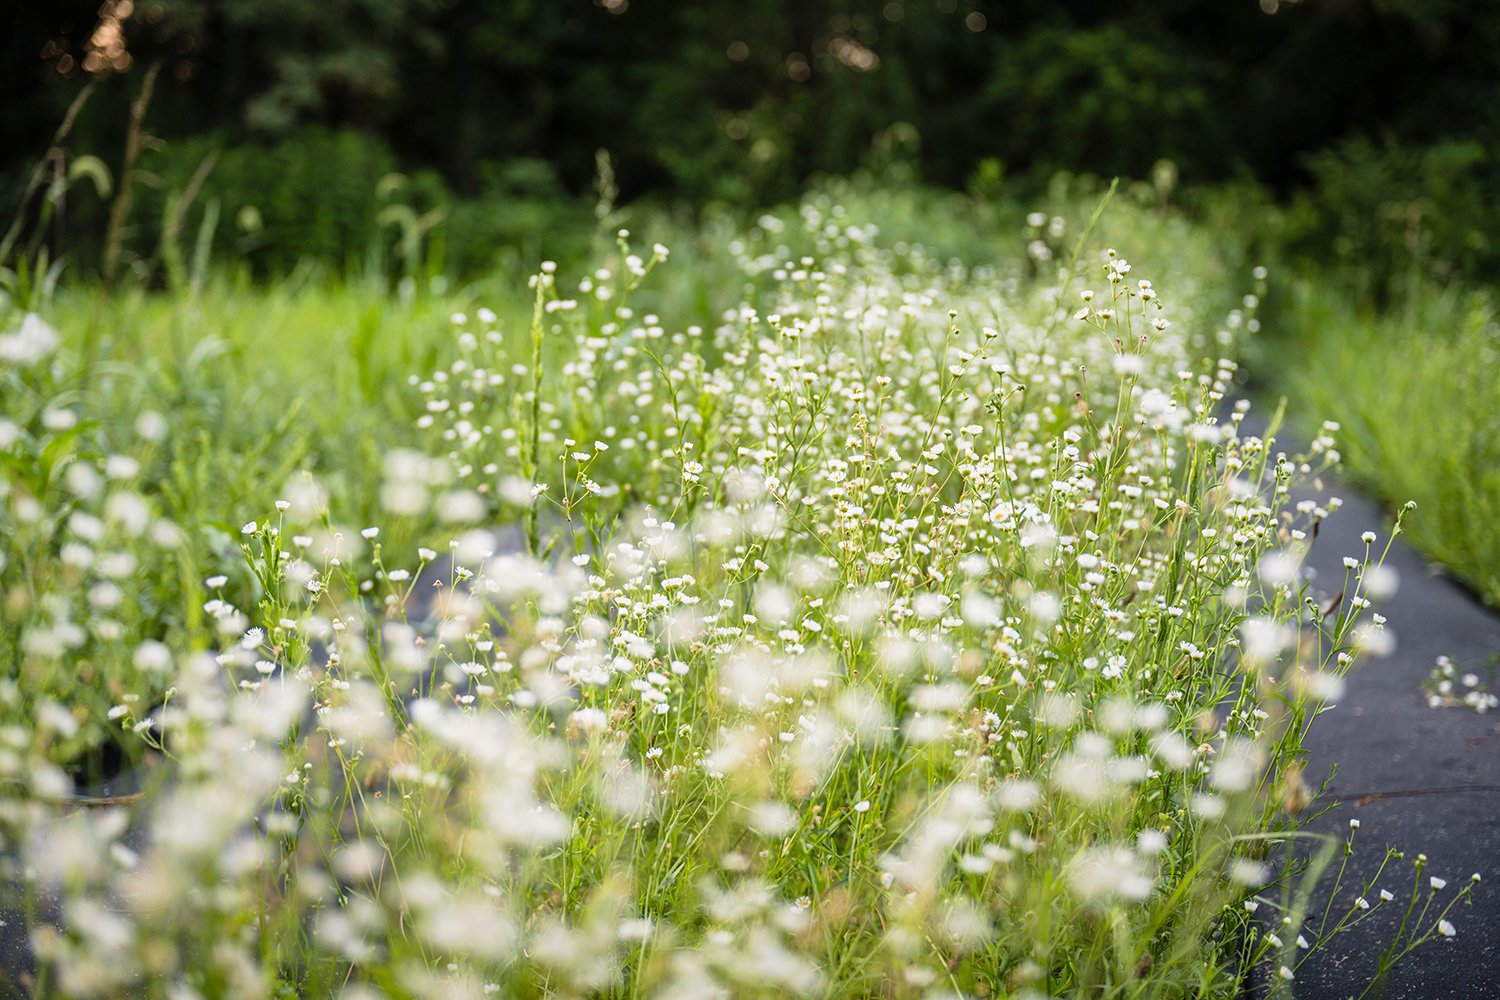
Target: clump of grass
x,y
907,630
1413,390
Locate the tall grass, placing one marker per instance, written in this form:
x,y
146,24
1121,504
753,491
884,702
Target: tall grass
x,y
1416,391
905,627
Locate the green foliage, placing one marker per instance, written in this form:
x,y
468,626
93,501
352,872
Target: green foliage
x,y
521,216
709,106
1387,147
1112,100
309,62
261,381
312,194
334,198
1413,389
863,641
1387,209
897,646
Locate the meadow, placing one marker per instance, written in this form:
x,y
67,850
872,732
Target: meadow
x,y
1415,387
879,598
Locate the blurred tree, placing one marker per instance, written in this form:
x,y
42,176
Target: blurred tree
x,y
274,64
744,100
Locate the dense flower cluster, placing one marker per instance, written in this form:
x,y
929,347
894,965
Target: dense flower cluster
x,y
914,630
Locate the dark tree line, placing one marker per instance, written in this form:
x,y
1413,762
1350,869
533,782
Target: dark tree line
x,y
742,101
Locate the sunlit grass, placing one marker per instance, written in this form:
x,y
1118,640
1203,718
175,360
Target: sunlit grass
x,y
864,621
1414,388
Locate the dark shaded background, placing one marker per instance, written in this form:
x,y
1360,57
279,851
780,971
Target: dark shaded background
x,y
1366,107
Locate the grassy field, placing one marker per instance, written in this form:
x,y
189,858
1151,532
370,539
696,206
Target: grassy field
x,y
1415,389
890,611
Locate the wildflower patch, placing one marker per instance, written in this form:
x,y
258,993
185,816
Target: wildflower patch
x,y
913,629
